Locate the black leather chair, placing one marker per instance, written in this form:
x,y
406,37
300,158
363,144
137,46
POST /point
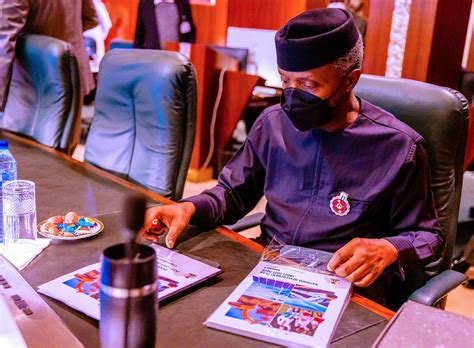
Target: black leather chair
x,y
441,116
117,43
145,118
44,100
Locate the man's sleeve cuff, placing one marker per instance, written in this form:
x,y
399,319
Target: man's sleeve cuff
x,y
203,208
406,253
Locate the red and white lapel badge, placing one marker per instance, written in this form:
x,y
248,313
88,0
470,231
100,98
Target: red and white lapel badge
x,y
340,204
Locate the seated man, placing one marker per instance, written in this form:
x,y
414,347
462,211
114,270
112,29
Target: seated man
x,y
339,173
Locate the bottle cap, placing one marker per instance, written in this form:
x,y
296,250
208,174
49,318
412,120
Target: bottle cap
x,y
3,145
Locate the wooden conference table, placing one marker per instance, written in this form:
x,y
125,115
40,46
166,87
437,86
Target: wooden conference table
x,y
63,185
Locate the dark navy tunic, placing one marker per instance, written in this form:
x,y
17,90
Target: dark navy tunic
x,y
380,162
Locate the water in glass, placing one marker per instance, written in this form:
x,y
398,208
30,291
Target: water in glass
x,y
19,211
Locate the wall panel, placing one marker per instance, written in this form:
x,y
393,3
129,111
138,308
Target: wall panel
x,y
314,4
419,39
263,14
211,22
123,14
378,36
435,41
449,37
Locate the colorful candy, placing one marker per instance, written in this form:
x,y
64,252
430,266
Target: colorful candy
x,y
66,225
56,219
50,228
71,218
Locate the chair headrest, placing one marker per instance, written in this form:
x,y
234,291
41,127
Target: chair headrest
x,y
44,91
144,103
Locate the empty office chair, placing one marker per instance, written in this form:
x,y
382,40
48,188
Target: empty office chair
x,y
144,123
44,100
441,116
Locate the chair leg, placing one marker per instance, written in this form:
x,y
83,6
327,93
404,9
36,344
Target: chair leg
x,y
442,303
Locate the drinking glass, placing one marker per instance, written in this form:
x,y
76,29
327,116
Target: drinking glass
x,y
19,211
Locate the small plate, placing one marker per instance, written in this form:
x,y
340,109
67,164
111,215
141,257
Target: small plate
x,y
79,234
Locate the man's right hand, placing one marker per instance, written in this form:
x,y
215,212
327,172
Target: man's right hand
x,y
167,218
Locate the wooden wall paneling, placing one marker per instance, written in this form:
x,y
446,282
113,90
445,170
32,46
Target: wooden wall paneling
x,y
449,37
419,39
204,62
314,4
435,41
207,64
237,91
198,59
208,70
263,14
377,37
211,22
123,14
366,8
470,57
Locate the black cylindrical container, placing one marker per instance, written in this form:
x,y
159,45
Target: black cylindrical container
x,y
141,292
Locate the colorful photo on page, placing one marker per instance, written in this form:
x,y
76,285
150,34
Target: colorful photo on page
x,y
303,310
310,298
282,305
299,320
165,283
87,283
261,301
253,310
269,289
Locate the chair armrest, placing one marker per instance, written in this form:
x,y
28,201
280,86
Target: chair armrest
x,y
438,287
246,222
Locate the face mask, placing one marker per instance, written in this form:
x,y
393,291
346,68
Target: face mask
x,y
305,110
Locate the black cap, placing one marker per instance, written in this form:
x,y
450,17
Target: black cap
x,y
315,38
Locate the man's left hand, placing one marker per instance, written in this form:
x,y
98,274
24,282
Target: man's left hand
x,y
362,260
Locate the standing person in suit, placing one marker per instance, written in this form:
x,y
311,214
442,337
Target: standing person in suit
x,y
63,19
161,21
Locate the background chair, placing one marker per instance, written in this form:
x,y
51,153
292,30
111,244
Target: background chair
x,y
117,43
44,100
145,118
441,116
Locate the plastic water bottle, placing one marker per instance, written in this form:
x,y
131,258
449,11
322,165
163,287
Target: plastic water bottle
x,y
8,171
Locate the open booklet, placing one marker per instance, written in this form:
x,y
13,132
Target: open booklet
x,y
80,289
288,298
